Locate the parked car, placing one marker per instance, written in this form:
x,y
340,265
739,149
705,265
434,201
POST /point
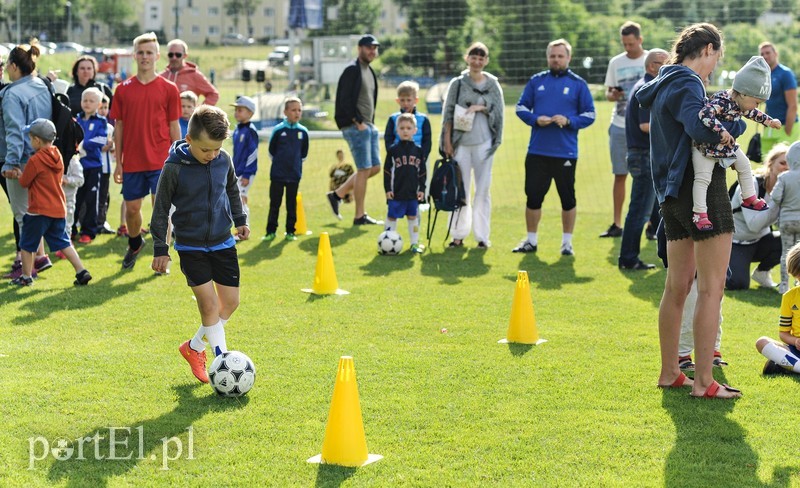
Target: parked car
x,y
69,47
46,47
279,56
237,40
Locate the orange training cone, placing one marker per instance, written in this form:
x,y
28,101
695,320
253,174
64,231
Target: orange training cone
x,y
300,227
345,443
522,326
325,282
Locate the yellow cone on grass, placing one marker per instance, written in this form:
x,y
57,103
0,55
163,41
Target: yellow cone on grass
x,y
345,443
300,227
325,282
522,325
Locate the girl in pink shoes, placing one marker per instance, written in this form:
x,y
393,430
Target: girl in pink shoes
x,y
751,86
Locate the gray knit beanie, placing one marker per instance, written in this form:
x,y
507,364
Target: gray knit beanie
x,y
754,79
793,155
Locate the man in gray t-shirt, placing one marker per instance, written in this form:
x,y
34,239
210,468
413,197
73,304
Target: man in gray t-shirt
x,y
356,96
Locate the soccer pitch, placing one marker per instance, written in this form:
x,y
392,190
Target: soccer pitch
x,y
97,367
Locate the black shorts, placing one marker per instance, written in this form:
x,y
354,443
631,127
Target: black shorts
x,y
221,267
540,171
677,212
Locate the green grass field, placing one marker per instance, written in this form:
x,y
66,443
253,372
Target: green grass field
x,y
452,409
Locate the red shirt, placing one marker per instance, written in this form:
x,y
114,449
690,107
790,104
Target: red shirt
x,y
42,178
145,112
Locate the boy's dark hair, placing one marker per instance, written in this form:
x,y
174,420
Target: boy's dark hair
x,y
629,28
211,120
25,57
407,117
793,261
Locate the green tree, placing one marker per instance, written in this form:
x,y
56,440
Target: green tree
x,y
113,13
352,17
436,34
45,16
234,8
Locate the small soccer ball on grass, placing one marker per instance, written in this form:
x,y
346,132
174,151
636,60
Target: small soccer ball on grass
x,y
390,243
232,374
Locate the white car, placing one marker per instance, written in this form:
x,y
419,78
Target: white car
x,y
237,40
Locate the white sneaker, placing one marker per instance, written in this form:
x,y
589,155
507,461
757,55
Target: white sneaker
x,y
566,250
763,278
783,288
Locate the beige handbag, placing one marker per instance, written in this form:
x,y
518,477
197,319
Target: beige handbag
x,y
462,119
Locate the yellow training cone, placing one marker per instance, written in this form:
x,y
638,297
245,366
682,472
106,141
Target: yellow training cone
x,y
522,326
300,227
345,443
325,282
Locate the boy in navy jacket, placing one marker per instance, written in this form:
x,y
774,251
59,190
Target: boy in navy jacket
x,y
245,147
288,147
95,137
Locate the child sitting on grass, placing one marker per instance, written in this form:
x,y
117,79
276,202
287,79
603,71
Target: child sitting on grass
x,y
198,179
47,208
784,355
751,87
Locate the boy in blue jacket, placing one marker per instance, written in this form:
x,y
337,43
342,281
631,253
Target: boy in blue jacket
x,y
288,147
198,179
245,147
95,137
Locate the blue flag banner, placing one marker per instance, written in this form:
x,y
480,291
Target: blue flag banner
x,y
305,14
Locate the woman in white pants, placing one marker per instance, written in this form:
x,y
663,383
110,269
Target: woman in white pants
x,y
472,143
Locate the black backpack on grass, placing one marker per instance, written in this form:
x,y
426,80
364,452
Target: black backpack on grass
x,y
446,192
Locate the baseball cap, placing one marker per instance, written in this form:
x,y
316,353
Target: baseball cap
x,y
245,102
368,40
41,128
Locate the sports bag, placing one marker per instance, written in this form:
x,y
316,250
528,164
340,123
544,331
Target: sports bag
x,y
446,192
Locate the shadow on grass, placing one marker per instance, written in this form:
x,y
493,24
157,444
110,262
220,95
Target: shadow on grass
x,y
93,295
330,475
550,276
761,297
519,349
383,265
311,246
710,448
454,264
146,439
646,285
263,250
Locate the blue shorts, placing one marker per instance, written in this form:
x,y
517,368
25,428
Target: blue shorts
x,y
140,184
54,231
363,145
401,208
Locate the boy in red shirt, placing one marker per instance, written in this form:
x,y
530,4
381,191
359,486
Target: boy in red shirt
x,y
47,205
146,109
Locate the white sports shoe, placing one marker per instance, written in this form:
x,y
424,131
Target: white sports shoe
x,y
566,250
763,278
783,288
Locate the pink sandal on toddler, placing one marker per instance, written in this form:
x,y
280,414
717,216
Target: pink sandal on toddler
x,y
701,221
754,203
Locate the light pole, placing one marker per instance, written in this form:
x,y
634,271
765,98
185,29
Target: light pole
x,y
69,21
176,19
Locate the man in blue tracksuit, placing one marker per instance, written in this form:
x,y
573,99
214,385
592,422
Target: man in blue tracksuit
x,y
556,104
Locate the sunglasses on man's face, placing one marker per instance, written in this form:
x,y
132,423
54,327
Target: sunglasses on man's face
x,y
175,55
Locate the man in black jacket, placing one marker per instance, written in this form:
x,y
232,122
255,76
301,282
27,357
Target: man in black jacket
x,y
356,97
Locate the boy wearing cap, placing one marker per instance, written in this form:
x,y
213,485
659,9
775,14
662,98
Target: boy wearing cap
x,y
751,86
356,96
47,206
245,147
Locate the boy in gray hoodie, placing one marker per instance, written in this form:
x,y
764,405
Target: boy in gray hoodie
x,y
786,195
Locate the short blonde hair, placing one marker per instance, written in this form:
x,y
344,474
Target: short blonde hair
x,y
407,117
178,42
292,100
92,91
560,42
793,261
147,37
408,88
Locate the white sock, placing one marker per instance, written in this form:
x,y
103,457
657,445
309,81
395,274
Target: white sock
x,y
566,239
197,341
533,238
223,321
781,356
216,338
391,225
413,231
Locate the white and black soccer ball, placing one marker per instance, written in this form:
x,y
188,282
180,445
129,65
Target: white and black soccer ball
x,y
232,374
390,243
